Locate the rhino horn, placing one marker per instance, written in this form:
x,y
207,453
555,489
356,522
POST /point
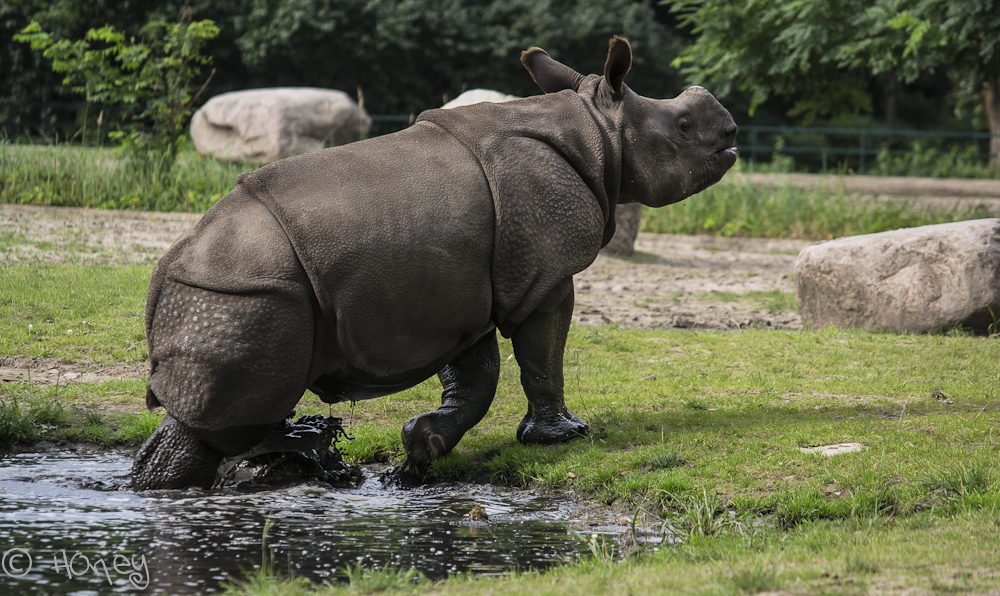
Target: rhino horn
x,y
618,64
551,75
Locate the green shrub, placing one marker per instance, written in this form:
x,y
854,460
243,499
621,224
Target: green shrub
x,y
151,78
933,162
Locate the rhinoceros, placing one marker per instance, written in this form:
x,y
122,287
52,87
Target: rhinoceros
x,y
362,270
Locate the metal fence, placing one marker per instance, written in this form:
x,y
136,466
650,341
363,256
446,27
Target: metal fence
x,y
856,143
814,145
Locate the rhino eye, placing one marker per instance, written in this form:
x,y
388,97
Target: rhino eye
x,y
684,125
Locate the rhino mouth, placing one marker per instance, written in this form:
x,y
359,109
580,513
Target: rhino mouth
x,y
727,156
716,167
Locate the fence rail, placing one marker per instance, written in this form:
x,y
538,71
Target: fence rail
x,y
862,150
836,142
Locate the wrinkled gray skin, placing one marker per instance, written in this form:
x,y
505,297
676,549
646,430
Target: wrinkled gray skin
x,y
360,271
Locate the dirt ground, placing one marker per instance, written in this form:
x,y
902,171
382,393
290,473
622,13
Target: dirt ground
x,y
52,371
690,282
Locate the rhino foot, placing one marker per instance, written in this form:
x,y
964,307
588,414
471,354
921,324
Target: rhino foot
x,y
541,428
470,382
423,443
174,457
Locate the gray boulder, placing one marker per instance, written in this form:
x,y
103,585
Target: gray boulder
x,y
914,280
627,217
263,125
472,96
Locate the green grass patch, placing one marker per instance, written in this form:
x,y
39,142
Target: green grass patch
x,y
31,414
743,209
90,177
770,300
703,430
74,312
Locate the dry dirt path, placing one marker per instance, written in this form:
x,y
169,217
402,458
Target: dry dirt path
x,y
692,282
936,193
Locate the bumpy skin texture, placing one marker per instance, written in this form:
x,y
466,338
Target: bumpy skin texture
x,y
362,270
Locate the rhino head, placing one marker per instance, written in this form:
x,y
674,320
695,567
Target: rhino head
x,y
671,148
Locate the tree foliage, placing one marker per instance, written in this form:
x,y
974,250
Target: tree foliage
x,y
151,77
822,54
408,55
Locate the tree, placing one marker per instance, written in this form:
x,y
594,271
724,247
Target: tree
x,y
405,54
408,54
151,77
821,54
965,36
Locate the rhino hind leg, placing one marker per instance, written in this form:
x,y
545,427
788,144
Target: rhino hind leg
x,y
470,383
227,368
174,457
539,343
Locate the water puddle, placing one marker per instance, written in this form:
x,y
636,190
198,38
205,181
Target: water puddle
x,y
66,529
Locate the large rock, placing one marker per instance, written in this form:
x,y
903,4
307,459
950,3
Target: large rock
x,y
627,218
264,125
472,96
909,281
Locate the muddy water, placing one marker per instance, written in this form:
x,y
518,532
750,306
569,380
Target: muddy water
x,y
68,525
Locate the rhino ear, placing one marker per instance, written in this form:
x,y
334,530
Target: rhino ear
x,y
550,75
618,64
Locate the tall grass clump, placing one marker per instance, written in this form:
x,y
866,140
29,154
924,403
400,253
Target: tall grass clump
x,y
103,178
135,429
743,209
16,424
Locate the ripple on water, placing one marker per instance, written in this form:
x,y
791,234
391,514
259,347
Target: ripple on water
x,y
192,541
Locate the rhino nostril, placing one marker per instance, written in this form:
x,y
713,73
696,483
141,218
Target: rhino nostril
x,y
731,129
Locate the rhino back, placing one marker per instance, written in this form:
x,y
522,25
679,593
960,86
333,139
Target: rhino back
x,y
396,237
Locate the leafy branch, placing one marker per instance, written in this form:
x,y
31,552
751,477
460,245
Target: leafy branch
x,y
151,77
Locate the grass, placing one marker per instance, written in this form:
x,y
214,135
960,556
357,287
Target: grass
x,y
90,177
701,430
757,514
29,415
742,209
74,312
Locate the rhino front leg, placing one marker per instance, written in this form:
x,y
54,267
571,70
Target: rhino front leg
x,y
470,383
539,343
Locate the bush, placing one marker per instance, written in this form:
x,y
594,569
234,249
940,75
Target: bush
x,y
935,163
151,78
